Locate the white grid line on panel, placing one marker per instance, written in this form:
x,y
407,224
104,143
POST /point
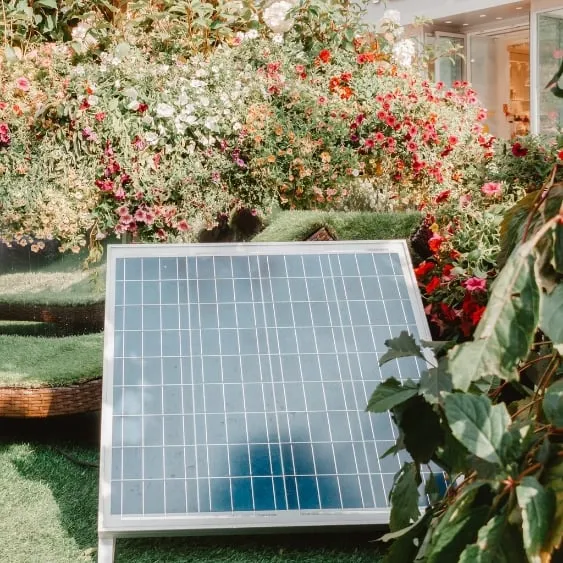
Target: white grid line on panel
x,y
303,380
224,396
365,391
353,386
244,395
276,411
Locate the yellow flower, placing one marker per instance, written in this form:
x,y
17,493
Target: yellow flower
x,y
434,228
325,156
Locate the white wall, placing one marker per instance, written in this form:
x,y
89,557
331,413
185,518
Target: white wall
x,y
432,9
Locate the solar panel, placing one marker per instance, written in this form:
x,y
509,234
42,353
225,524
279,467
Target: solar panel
x,y
235,384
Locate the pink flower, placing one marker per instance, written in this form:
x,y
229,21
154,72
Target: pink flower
x,y
465,200
183,226
491,189
558,54
23,84
122,211
89,134
380,137
475,284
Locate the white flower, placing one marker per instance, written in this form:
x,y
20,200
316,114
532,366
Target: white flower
x,y
277,38
237,125
183,99
200,73
151,138
392,16
211,123
133,105
275,16
404,52
204,102
164,110
130,93
93,100
197,83
252,34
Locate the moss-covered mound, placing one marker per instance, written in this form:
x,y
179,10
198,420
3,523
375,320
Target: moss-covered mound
x,y
290,226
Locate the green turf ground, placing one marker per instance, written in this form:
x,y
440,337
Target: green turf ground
x,y
287,226
49,508
34,361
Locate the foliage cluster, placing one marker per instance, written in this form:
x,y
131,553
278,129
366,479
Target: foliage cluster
x,y
488,415
459,245
158,145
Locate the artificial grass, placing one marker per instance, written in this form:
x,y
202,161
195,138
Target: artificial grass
x,y
288,226
35,361
48,514
51,286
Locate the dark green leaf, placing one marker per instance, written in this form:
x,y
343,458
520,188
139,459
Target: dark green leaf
x,y
553,401
422,432
46,4
438,346
406,541
505,333
558,249
478,425
457,528
551,315
494,544
538,508
435,381
389,394
402,346
553,479
453,455
404,498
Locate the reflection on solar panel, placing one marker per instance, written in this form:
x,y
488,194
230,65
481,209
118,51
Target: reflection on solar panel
x,y
235,383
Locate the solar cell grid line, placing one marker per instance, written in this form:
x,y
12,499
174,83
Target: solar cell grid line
x,y
301,374
331,440
253,364
269,282
347,412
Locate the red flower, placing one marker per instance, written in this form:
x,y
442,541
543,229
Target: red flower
x,y
142,108
100,116
324,56
518,150
5,138
443,196
435,243
560,155
423,268
432,285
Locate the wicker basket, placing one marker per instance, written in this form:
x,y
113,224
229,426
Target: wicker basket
x,y
40,402
90,317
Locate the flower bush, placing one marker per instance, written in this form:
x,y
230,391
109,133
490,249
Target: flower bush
x,y
129,143
459,243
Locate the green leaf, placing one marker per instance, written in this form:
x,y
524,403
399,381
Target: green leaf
x,y
495,544
553,403
558,248
406,541
538,508
404,498
435,381
422,432
389,394
46,4
457,527
553,478
551,315
478,425
438,346
402,346
505,333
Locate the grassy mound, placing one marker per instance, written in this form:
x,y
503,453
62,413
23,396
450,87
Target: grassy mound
x,y
62,282
35,361
49,510
288,226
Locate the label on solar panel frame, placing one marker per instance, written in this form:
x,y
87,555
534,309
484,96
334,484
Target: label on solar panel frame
x,y
235,383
